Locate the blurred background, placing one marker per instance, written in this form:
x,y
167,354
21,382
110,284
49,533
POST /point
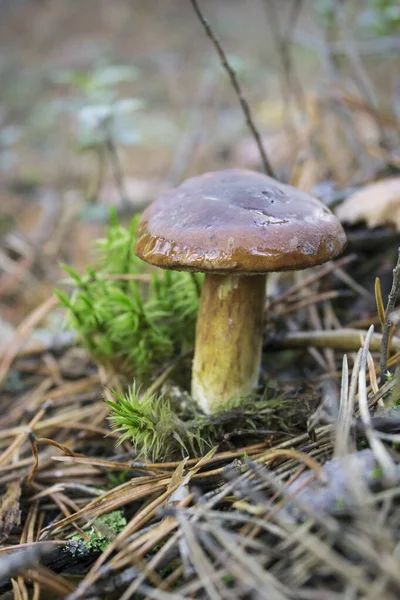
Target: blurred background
x,y
108,103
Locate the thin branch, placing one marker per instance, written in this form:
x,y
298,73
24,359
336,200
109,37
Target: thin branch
x,y
100,154
345,340
388,320
236,86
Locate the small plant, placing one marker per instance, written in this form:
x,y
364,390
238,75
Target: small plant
x,y
155,430
134,327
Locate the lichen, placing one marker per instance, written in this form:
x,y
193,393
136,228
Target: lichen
x,y
104,529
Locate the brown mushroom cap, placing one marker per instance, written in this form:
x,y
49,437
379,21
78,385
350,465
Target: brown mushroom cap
x,y
237,221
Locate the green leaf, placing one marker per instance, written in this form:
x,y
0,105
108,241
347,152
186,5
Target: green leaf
x,y
74,275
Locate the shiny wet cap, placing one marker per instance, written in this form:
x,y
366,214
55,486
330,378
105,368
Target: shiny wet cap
x,y
237,221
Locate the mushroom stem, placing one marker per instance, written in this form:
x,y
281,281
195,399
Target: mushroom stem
x,y
227,356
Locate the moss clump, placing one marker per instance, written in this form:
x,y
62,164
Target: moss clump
x,y
108,526
131,325
159,430
377,473
153,427
114,479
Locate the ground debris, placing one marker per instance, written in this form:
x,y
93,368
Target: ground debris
x,y
10,513
377,204
333,489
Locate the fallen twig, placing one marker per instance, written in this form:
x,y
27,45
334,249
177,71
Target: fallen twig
x,y
346,340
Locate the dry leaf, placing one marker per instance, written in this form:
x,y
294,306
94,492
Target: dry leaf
x,y
377,204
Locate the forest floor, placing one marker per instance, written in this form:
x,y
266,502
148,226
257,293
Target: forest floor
x,y
104,105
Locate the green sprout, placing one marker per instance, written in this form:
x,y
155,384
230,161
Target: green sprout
x,y
389,376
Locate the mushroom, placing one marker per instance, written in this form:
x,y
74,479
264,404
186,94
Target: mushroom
x,y
235,226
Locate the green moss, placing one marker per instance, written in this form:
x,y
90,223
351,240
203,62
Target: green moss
x,y
339,503
133,326
377,473
153,427
113,522
114,479
362,444
159,430
108,526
